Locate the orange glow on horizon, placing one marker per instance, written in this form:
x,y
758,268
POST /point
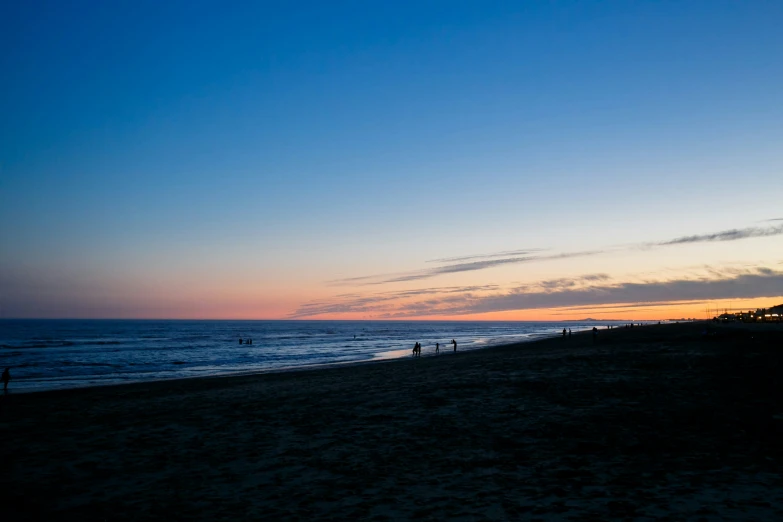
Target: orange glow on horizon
x,y
642,312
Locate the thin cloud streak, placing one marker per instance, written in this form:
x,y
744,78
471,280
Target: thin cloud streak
x,y
746,286
486,261
507,253
482,265
735,284
615,307
726,235
353,303
462,267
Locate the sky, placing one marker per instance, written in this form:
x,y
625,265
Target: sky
x,y
390,160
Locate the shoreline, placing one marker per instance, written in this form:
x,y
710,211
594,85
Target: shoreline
x,y
298,368
650,422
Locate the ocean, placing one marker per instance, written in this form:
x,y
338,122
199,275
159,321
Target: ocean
x,y
56,354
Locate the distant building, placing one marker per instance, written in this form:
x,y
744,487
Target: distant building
x,y
774,314
761,315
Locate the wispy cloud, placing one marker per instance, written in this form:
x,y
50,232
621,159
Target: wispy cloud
x,y
347,303
762,283
614,307
506,253
512,257
594,290
726,235
471,266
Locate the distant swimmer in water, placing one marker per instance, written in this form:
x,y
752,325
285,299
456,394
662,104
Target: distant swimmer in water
x,y
240,340
6,377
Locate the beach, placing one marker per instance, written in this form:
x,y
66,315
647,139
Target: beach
x,y
674,421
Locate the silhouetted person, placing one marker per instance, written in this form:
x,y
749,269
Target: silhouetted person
x,y
6,377
455,345
415,347
437,348
595,333
240,340
569,332
564,332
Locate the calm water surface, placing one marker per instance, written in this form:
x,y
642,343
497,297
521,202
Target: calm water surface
x,y
50,354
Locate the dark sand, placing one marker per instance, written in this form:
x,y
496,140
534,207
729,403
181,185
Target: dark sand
x,y
654,422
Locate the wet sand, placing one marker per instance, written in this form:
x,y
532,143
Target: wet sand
x,y
658,422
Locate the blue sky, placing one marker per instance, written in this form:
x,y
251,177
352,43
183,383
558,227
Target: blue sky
x,y
291,144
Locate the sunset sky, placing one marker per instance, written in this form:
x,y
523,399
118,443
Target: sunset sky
x,y
390,160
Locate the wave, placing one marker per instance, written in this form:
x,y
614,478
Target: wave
x,y
57,344
83,363
45,344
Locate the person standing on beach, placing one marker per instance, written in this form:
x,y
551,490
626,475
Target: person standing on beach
x,y
569,332
455,345
564,332
437,348
6,377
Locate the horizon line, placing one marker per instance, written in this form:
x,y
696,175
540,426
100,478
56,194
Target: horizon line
x,y
338,320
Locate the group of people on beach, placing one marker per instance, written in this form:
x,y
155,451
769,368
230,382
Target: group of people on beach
x,y
594,330
417,348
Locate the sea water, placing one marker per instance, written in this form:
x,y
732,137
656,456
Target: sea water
x,y
54,354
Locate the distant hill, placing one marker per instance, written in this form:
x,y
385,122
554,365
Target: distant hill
x,y
590,319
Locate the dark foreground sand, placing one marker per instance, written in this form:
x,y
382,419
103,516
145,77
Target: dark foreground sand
x,y
655,422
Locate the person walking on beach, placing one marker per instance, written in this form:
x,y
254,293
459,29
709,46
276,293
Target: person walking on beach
x,y
437,348
569,332
6,377
564,333
455,345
